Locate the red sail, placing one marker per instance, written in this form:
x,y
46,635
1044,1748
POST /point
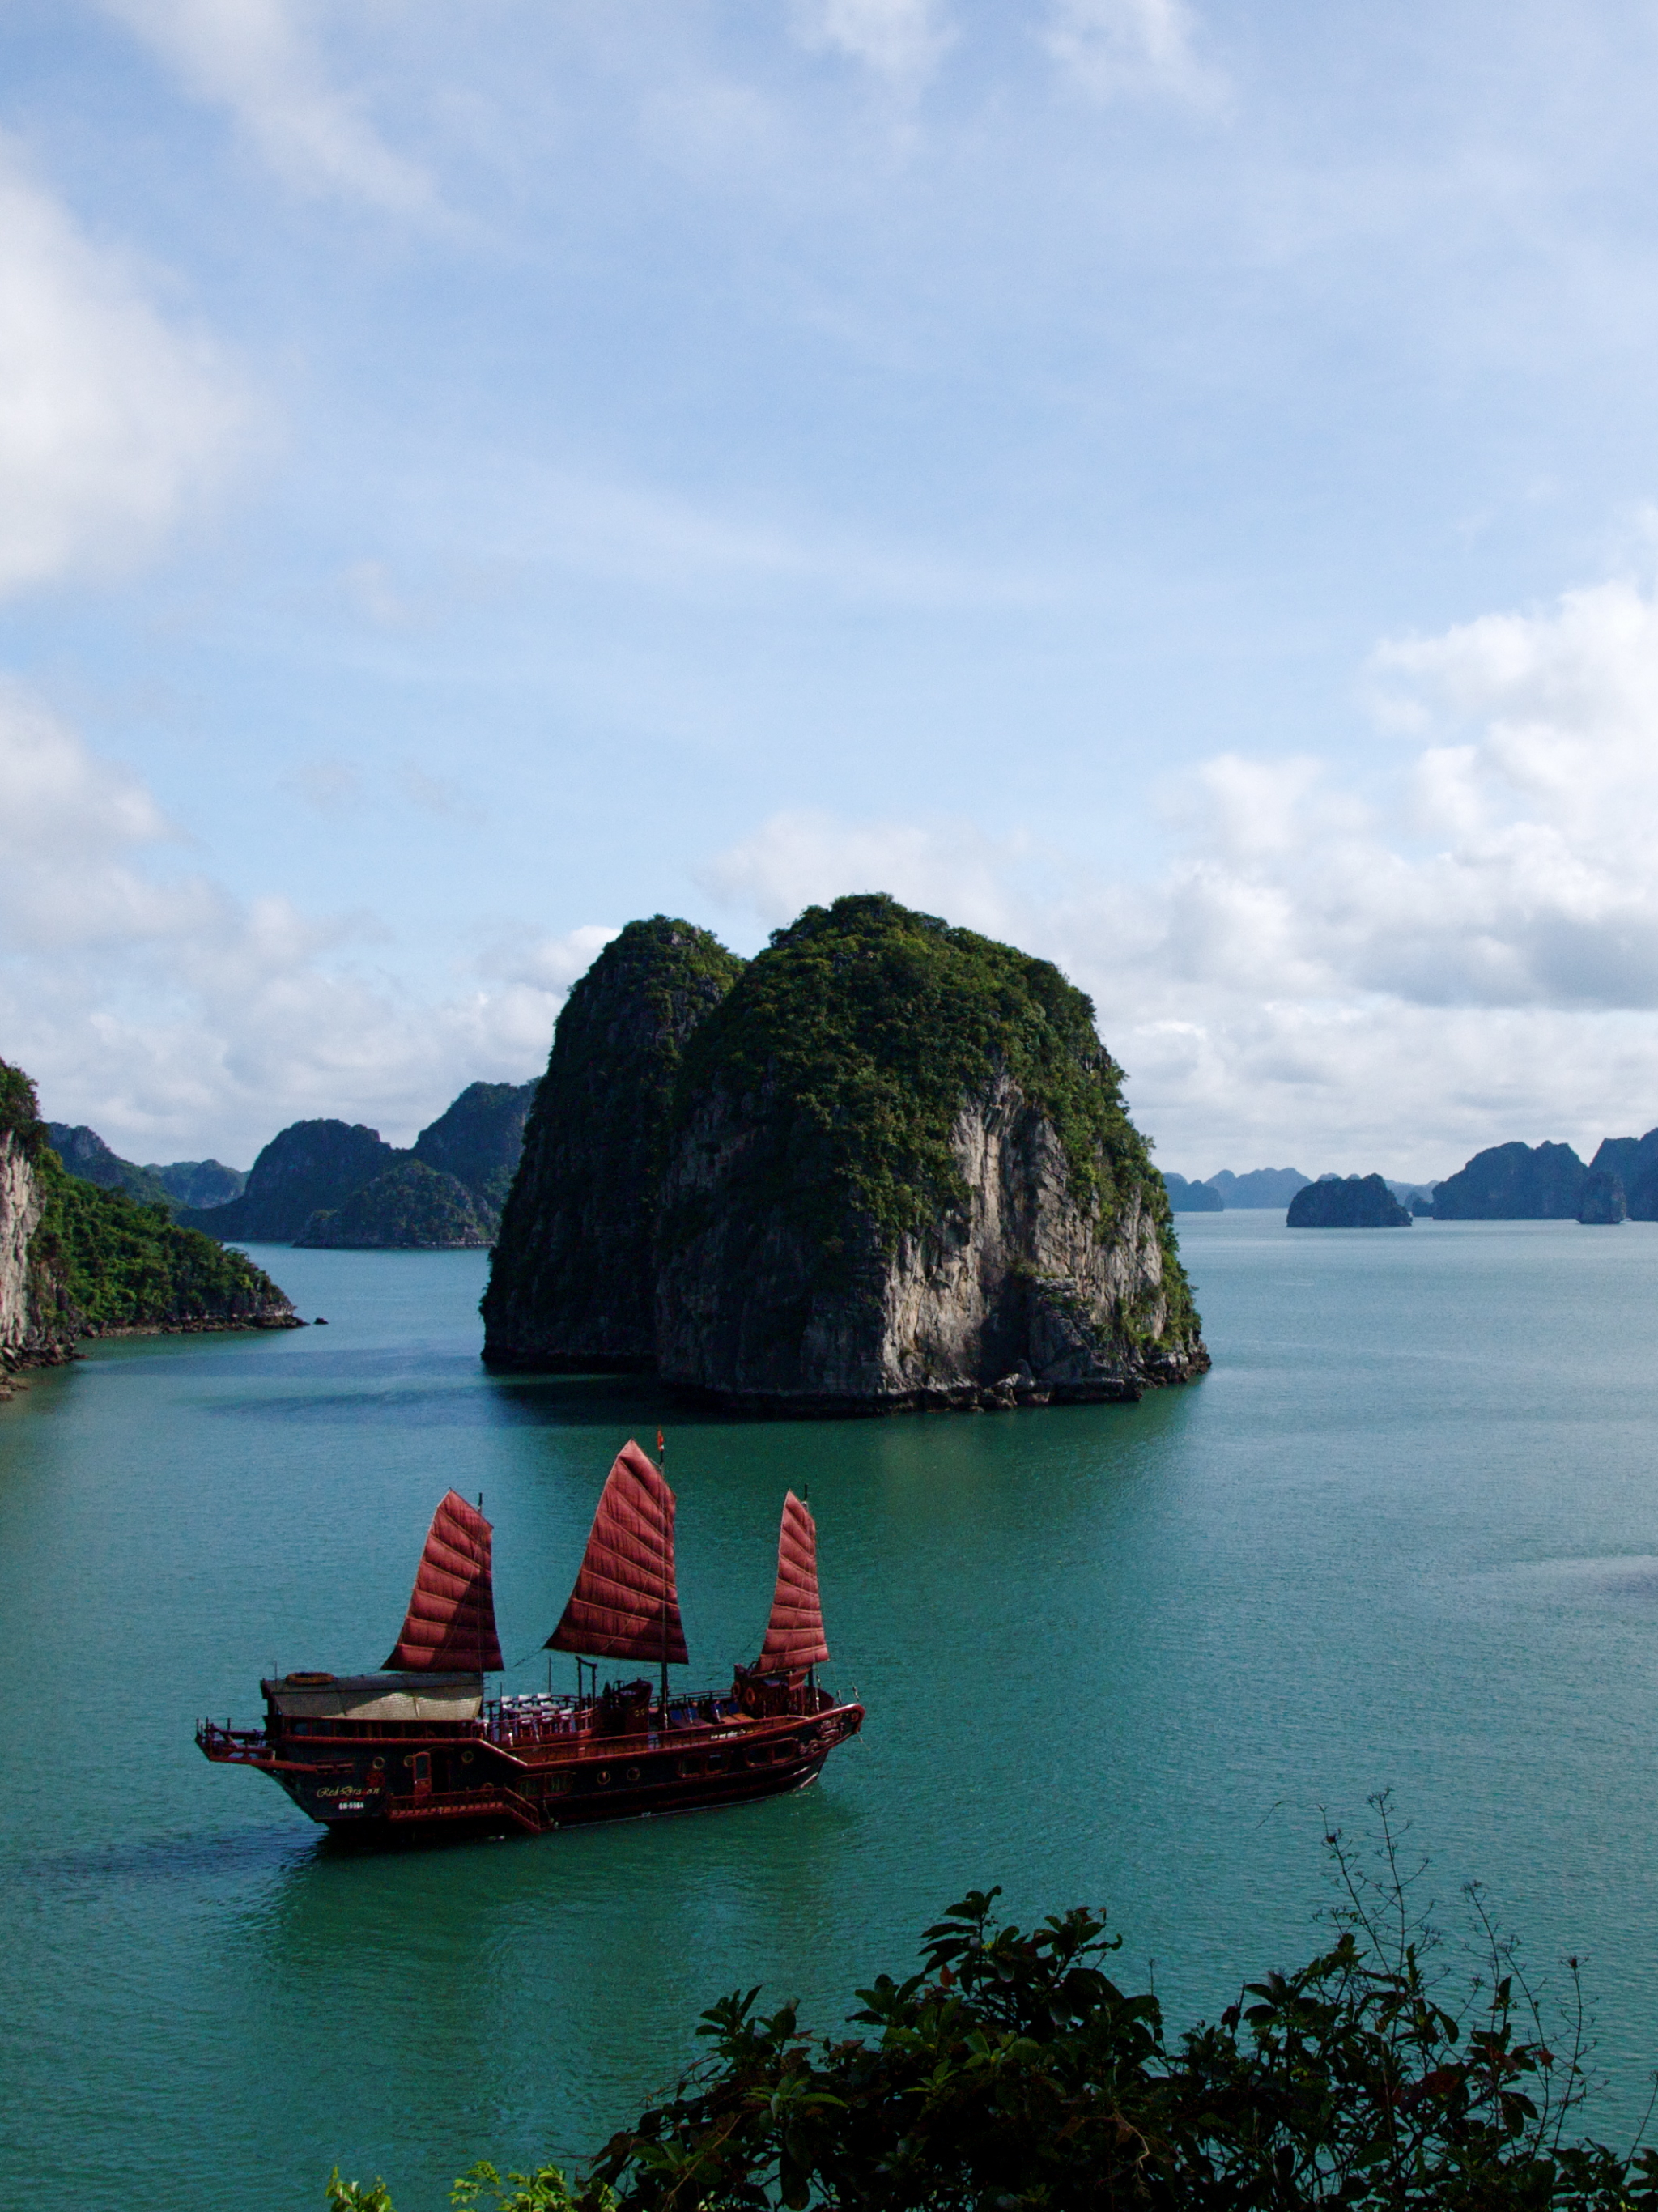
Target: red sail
x,y
794,1634
451,1627
625,1604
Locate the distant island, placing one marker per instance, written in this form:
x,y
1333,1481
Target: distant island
x,y
1346,1202
80,1258
883,1166
337,1183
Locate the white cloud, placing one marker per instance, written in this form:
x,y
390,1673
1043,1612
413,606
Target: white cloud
x,y
1371,981
176,1018
255,57
899,39
1113,48
114,424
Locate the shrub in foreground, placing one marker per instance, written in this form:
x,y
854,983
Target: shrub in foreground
x,y
1010,2074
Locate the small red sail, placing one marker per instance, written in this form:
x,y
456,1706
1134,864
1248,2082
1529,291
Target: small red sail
x,y
794,1634
451,1624
625,1604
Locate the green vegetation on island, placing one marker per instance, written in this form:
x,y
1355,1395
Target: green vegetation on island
x,y
729,1166
411,1208
1012,2073
87,1259
865,1026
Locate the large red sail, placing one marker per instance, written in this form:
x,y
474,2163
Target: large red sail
x,y
451,1624
794,1634
625,1604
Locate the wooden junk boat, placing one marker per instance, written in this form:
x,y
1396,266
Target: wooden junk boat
x,y
420,1745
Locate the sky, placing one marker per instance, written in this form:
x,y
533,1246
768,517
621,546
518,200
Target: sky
x,y
1171,483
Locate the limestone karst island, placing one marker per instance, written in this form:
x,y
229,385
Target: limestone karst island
x,y
883,1166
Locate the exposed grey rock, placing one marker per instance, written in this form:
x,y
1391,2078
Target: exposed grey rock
x,y
779,1286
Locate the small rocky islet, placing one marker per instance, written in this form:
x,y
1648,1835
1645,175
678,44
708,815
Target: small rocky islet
x,y
885,1165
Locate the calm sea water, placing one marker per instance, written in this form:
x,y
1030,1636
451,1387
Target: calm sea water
x,y
1406,1534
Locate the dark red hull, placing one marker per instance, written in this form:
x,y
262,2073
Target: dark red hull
x,y
536,1771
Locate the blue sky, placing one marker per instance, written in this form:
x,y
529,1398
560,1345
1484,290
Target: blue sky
x,y
1175,485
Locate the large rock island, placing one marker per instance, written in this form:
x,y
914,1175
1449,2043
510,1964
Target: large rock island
x,y
79,1259
885,1165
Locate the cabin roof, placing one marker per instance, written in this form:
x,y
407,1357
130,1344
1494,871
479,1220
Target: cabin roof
x,y
404,1696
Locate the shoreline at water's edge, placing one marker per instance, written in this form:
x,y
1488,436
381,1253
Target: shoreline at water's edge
x,y
16,1361
1009,1393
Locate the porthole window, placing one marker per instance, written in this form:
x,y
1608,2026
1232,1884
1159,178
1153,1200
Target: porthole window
x,y
378,1765
466,1758
633,1774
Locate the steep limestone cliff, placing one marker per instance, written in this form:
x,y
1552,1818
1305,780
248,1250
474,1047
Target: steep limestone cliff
x,y
79,1261
570,1283
901,1175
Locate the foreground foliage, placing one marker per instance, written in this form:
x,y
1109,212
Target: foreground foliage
x,y
1010,2074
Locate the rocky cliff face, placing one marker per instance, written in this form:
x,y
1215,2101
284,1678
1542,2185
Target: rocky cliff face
x,y
77,1260
901,1175
571,1281
31,1333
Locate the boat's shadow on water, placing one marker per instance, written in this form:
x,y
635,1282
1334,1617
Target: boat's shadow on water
x,y
255,1849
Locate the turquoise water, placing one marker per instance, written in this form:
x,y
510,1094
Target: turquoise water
x,y
1406,1533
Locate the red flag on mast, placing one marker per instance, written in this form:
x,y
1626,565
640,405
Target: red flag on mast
x,y
625,1604
449,1627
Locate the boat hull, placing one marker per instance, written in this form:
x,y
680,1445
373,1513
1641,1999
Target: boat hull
x,y
454,1776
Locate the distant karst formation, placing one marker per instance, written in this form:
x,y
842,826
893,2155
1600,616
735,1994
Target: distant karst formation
x,y
1513,1183
181,1183
335,1183
1263,1187
411,1208
1191,1197
885,1165
1346,1202
81,1259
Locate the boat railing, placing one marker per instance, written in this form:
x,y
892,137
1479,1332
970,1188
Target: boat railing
x,y
574,1726
230,1742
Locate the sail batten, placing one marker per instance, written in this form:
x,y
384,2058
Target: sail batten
x,y
794,1634
449,1627
625,1604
